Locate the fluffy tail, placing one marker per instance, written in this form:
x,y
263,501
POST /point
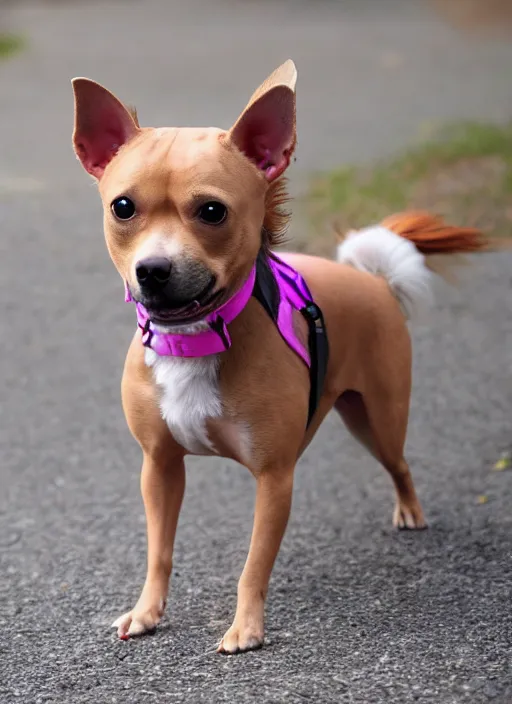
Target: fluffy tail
x,y
397,250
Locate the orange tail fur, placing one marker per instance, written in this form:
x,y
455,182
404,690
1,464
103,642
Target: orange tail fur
x,y
431,235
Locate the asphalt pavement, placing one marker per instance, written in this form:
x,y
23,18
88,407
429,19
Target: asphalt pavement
x,y
357,613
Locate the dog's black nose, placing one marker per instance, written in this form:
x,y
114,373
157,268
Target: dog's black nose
x,y
153,273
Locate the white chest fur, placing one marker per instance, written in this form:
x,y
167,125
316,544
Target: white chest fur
x,y
190,395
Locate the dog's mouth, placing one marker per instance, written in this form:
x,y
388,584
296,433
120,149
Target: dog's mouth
x,y
169,314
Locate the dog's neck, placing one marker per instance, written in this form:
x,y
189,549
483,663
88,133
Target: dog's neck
x,y
209,336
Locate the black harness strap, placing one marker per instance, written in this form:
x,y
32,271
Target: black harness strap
x,y
266,291
319,355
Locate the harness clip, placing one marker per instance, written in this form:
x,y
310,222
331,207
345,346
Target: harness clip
x,y
147,334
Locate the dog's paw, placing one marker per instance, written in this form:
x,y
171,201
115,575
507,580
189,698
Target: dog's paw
x,y
409,517
240,639
142,619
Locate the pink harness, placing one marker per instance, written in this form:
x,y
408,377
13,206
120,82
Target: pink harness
x,y
281,290
211,340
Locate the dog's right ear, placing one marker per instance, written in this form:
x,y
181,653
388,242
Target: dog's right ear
x,y
102,125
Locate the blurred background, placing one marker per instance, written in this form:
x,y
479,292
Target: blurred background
x,y
400,103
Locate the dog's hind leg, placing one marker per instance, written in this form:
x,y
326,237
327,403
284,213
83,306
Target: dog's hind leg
x,y
379,422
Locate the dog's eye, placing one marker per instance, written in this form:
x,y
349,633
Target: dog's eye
x,y
212,213
123,208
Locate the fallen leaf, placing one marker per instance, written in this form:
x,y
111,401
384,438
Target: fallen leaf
x,y
482,499
504,462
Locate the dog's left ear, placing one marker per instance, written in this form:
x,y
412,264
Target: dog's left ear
x,y
265,131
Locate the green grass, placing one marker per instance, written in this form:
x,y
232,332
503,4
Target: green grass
x,y
10,44
462,172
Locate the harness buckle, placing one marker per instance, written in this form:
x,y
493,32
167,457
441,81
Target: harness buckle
x,y
219,326
315,315
147,333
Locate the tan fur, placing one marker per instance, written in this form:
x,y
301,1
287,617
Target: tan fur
x,y
277,217
264,386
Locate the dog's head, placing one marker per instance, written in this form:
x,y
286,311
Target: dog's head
x,y
185,208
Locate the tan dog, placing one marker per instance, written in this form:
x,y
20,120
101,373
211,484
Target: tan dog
x,y
191,209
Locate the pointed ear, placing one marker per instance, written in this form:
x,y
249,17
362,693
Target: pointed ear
x,y
102,125
265,131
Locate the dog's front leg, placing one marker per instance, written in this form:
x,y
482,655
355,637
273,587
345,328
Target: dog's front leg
x,y
273,502
162,486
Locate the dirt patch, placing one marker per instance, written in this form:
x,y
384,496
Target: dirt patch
x,y
476,14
